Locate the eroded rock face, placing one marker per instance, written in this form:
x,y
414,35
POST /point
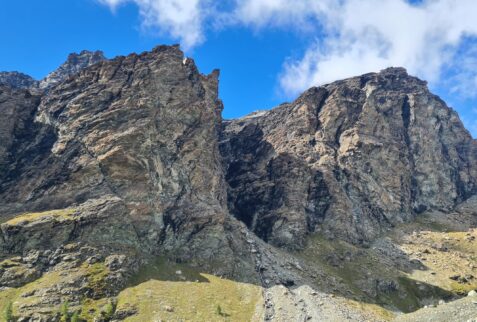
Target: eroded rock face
x,y
74,64
141,128
113,163
278,196
351,158
22,139
17,80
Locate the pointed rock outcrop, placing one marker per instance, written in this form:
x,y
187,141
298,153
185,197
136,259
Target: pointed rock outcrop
x,y
74,64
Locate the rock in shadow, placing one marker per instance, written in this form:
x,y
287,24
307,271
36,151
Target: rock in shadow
x,y
163,269
277,195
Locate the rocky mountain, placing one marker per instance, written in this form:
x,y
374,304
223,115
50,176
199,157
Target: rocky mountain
x,y
74,64
122,187
137,134
17,80
351,158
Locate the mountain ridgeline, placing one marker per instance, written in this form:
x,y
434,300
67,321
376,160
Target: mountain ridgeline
x,y
118,162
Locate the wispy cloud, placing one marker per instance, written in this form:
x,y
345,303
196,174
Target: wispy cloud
x,y
181,19
359,36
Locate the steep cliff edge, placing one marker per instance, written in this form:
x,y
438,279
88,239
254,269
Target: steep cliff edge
x,y
141,128
352,159
119,159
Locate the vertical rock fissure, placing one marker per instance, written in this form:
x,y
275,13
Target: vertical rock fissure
x,y
406,121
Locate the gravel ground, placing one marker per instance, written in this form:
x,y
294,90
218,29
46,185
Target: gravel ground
x,y
305,304
462,310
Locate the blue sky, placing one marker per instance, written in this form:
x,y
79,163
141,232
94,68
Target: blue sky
x,y
268,51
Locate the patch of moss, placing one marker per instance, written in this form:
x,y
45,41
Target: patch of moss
x,y
89,308
457,248
6,297
319,249
48,280
351,273
162,269
427,222
96,274
458,241
8,263
462,289
31,217
14,295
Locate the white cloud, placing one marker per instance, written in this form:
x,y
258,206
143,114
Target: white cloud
x,y
360,36
302,14
181,19
347,37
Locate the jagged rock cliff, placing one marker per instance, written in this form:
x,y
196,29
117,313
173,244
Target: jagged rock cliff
x,y
351,158
141,129
107,164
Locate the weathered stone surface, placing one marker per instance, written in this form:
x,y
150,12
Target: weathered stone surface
x,y
22,139
17,80
99,222
277,195
74,64
141,128
120,158
352,158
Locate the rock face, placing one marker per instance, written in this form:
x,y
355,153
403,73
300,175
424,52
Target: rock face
x,y
17,80
141,128
74,64
18,132
350,158
108,164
